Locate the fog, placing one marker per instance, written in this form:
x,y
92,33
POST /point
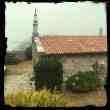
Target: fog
x,y
75,18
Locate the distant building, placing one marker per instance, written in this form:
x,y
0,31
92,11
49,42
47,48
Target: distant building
x,y
20,55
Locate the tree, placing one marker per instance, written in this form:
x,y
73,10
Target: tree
x,y
48,73
11,58
28,52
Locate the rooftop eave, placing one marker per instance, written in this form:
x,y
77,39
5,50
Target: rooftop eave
x,y
61,53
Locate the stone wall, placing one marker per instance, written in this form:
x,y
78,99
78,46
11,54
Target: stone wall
x,y
81,62
75,63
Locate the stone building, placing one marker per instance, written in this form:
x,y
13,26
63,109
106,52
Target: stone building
x,y
77,53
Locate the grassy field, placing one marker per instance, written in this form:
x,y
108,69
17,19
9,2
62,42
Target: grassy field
x,y
18,78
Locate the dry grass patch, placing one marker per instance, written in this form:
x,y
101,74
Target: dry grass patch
x,y
42,98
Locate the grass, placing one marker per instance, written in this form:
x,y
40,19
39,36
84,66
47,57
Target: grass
x,y
42,98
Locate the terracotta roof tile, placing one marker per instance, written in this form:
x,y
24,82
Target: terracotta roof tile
x,y
73,44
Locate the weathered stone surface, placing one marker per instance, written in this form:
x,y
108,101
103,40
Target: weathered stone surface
x,y
81,62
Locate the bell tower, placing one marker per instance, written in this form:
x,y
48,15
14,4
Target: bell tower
x,y
35,26
100,31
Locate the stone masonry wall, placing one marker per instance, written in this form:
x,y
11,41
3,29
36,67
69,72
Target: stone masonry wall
x,y
74,63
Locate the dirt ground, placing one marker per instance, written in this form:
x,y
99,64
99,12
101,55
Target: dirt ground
x,y
95,98
20,68
18,78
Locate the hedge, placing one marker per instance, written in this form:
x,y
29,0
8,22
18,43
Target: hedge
x,y
48,73
83,82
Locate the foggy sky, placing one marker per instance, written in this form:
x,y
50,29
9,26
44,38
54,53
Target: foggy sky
x,y
83,18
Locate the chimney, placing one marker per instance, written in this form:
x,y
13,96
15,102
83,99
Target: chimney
x,y
100,32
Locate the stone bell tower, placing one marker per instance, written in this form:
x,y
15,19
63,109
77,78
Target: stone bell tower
x,y
101,31
35,26
35,35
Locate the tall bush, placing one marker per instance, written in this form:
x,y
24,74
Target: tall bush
x,y
28,52
48,73
83,82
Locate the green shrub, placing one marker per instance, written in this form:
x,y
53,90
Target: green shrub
x,y
83,82
43,98
28,52
11,59
48,73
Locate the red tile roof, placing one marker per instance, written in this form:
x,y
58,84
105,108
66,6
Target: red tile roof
x,y
73,44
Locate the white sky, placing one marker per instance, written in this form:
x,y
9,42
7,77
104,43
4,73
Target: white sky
x,y
75,18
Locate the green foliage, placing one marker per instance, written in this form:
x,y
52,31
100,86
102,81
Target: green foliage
x,y
48,73
11,59
28,52
83,82
43,98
